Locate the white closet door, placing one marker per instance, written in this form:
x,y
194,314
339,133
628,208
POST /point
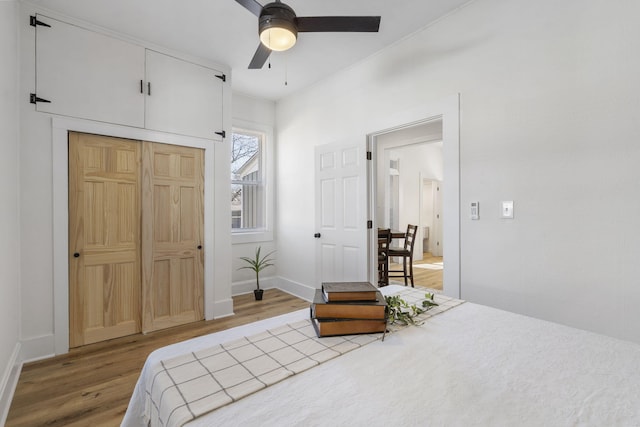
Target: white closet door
x,y
182,97
88,75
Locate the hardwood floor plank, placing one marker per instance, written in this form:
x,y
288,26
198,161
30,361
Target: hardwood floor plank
x,y
430,278
92,385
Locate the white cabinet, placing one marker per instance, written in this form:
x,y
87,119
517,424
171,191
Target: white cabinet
x,y
88,75
81,73
182,97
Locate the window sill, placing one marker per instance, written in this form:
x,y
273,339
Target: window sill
x,y
251,236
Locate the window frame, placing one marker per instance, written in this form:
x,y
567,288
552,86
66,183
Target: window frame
x,y
265,233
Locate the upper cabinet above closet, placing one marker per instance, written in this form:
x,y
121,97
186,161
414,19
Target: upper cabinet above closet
x,y
182,97
85,74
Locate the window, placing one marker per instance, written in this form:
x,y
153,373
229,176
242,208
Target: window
x,y
247,181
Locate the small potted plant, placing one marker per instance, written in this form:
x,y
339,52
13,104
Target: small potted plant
x,y
258,264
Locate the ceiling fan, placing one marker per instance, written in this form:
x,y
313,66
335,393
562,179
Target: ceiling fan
x,y
279,26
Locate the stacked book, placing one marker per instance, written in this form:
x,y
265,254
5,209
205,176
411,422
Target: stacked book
x,y
346,308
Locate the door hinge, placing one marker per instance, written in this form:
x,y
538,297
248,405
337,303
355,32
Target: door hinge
x,y
33,21
369,155
222,77
222,134
369,224
33,99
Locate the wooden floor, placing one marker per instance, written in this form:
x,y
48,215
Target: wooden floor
x,y
428,277
91,385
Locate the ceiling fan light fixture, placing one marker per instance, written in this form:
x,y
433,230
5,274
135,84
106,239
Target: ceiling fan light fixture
x,y
277,26
278,38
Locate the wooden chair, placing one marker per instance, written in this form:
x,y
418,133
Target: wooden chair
x,y
406,253
384,240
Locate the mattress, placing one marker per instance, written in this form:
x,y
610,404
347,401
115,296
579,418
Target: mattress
x,y
471,365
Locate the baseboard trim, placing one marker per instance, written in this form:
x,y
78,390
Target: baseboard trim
x,y
296,289
37,348
223,308
9,383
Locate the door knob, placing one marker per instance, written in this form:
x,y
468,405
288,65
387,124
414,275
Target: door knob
x,y
199,246
76,255
317,235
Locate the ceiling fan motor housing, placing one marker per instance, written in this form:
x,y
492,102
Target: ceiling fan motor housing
x,y
277,14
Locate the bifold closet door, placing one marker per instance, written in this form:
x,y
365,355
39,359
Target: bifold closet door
x,y
172,235
104,238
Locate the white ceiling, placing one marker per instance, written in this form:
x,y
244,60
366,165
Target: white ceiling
x,y
224,32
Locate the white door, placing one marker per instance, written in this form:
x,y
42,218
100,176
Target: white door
x,y
182,97
88,75
341,223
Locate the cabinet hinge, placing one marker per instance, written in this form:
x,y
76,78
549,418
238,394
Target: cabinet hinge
x,y
369,155
33,21
222,77
33,99
370,224
222,134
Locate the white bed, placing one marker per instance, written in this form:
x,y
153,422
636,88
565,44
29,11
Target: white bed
x,y
471,365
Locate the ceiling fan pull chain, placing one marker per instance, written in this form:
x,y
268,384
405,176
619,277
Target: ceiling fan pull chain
x,y
269,45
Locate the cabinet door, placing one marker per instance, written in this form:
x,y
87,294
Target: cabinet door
x,y
182,97
88,75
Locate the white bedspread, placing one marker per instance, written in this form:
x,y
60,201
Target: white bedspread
x,y
472,365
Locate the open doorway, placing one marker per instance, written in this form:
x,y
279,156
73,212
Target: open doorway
x,y
408,186
446,112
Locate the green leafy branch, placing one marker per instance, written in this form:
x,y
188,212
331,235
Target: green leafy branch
x,y
400,311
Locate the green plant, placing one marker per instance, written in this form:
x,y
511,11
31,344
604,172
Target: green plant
x,y
257,264
398,310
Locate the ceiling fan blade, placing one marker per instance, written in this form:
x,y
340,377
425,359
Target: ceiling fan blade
x,y
252,6
356,24
260,57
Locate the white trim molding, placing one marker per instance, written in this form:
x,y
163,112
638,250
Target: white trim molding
x,y
9,383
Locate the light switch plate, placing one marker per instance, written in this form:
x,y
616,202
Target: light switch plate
x,y
475,210
507,209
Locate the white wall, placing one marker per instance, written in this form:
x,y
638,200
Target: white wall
x,y
9,208
421,159
416,162
256,114
549,118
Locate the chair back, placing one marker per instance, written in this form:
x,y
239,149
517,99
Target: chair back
x,y
384,240
410,237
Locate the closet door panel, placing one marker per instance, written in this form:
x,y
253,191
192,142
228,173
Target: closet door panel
x,y
104,238
182,97
172,235
88,75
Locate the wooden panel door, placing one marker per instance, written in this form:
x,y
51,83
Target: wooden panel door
x,y
172,261
104,238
